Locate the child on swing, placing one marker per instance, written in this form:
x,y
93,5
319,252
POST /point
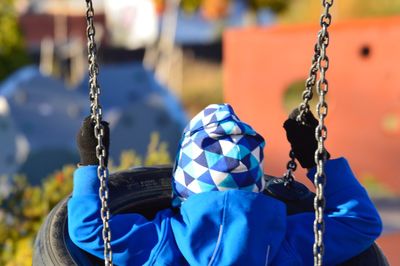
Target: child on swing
x,y
223,218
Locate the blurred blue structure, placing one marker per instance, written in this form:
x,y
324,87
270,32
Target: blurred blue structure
x,y
39,117
8,141
46,116
136,105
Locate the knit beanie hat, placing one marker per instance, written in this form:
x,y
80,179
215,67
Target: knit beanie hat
x,y
218,152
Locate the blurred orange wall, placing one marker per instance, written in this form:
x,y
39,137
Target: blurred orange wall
x,y
364,97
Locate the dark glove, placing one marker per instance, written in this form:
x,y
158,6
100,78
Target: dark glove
x,y
302,137
87,142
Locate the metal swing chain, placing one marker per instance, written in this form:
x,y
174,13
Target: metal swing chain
x,y
321,132
304,107
96,114
291,166
320,62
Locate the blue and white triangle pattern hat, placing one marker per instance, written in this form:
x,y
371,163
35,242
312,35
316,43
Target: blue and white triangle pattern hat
x,y
218,152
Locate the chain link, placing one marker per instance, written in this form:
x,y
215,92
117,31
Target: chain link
x,y
291,167
96,114
304,107
321,132
320,63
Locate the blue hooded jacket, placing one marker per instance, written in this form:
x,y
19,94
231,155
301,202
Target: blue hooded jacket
x,y
232,227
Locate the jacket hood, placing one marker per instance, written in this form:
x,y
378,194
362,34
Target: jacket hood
x,y
218,152
233,227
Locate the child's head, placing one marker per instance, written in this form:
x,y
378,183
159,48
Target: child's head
x,y
218,152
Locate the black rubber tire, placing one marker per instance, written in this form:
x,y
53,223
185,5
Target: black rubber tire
x,y
373,256
146,191
50,246
141,190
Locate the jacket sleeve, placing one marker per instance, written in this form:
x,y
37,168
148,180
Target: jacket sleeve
x,y
133,236
351,221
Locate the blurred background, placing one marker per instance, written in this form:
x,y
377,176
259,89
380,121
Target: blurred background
x,y
162,61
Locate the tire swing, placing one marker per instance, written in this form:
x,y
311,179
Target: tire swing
x,y
146,190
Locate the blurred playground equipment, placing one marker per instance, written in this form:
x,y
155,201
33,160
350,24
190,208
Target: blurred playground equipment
x,y
45,117
39,117
33,101
136,105
262,64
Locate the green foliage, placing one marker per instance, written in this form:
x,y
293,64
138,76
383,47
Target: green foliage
x,y
25,208
23,212
310,10
293,96
375,188
190,5
12,51
277,6
157,153
127,159
371,8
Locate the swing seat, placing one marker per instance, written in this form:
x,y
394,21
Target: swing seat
x,y
146,190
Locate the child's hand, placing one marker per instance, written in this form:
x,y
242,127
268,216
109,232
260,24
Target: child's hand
x,y
302,137
87,142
